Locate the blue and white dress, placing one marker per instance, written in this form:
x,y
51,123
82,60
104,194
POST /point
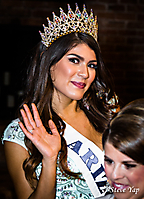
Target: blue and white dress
x,y
83,156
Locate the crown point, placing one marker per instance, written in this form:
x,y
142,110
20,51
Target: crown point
x,y
78,13
76,5
71,14
53,14
91,10
63,16
61,10
48,20
84,6
69,8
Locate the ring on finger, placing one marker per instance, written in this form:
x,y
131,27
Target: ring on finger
x,y
31,131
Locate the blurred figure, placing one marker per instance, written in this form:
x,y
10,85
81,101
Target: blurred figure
x,y
123,144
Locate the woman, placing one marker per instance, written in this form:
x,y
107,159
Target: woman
x,y
123,143
65,110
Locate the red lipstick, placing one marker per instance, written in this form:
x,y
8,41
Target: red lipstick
x,y
80,85
119,186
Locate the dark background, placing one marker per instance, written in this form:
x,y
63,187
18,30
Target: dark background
x,y
121,38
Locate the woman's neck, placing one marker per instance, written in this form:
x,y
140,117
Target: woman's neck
x,y
64,107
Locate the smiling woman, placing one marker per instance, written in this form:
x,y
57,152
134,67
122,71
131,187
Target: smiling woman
x,y
54,149
123,143
74,73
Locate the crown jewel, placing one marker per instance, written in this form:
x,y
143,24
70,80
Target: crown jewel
x,y
72,22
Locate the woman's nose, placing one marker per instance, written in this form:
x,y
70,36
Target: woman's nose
x,y
117,172
83,71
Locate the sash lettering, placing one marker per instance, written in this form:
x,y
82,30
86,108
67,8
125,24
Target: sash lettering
x,y
89,158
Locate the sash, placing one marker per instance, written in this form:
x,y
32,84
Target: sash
x,y
90,160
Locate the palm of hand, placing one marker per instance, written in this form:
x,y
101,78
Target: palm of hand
x,y
48,144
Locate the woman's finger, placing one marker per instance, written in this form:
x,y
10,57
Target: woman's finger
x,y
26,120
29,115
53,127
26,132
36,115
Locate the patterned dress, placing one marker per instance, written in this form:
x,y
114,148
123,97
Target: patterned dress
x,y
83,156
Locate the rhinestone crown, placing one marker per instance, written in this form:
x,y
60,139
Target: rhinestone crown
x,y
72,22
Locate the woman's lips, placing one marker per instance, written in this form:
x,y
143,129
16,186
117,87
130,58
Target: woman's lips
x,y
80,85
119,186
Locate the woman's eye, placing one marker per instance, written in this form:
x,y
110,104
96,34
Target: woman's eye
x,y
108,161
129,166
74,60
92,66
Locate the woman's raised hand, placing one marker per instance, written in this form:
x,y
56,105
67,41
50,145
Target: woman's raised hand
x,y
48,144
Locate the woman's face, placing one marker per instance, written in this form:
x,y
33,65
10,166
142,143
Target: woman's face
x,y
74,73
125,176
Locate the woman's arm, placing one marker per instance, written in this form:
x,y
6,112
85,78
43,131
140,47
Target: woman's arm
x,y
48,145
15,155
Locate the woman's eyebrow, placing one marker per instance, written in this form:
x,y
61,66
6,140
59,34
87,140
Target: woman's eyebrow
x,y
105,156
129,162
81,58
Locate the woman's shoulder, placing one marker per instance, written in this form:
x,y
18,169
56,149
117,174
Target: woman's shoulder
x,y
13,133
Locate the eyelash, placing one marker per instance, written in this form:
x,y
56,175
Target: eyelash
x,y
108,161
129,166
77,61
73,60
92,66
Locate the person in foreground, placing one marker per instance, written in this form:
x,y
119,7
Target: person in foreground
x,y
123,144
55,149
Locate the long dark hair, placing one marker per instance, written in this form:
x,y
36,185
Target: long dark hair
x,y
39,90
126,131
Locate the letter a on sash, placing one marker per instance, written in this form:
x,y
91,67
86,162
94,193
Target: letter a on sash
x,y
75,146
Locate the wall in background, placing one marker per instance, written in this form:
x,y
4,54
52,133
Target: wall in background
x,y
121,37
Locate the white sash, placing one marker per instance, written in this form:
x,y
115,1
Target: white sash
x,y
89,159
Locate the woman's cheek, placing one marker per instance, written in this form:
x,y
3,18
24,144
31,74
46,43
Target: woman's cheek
x,y
107,170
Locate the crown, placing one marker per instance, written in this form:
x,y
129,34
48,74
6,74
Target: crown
x,y
66,24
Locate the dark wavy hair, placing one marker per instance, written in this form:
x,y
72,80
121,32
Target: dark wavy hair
x,y
126,131
39,90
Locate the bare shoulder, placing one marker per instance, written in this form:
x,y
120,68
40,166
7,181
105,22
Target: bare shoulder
x,y
15,156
